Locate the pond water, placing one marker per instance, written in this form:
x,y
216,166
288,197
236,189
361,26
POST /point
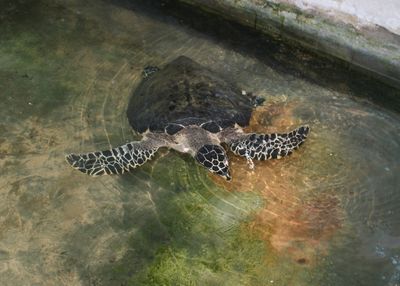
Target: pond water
x,y
327,215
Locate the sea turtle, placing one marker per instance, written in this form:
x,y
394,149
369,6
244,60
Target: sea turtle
x,y
191,109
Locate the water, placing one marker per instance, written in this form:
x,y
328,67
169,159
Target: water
x,y
327,215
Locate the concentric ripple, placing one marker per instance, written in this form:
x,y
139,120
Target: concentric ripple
x,y
326,215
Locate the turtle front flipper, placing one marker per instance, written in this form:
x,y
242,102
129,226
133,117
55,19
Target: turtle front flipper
x,y
115,161
213,158
269,146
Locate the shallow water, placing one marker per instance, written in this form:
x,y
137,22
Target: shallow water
x,y
327,215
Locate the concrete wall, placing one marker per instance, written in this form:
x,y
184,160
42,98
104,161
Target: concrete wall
x,y
384,13
356,31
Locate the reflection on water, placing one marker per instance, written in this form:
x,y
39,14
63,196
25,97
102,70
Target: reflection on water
x,y
327,215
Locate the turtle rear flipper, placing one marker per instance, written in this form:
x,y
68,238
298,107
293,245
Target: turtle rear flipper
x,y
269,146
115,161
149,70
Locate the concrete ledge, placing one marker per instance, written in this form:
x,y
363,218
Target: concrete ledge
x,y
372,48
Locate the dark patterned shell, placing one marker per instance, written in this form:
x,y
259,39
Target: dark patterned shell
x,y
185,93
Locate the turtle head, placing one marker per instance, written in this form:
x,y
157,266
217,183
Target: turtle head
x,y
213,158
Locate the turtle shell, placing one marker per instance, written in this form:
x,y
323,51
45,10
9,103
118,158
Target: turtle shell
x,y
185,93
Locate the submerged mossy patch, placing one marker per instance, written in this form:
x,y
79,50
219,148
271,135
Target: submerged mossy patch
x,y
43,76
194,233
235,261
46,63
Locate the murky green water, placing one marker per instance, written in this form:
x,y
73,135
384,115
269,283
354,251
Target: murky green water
x,y
328,215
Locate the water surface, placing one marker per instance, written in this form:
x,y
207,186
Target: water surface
x,y
327,215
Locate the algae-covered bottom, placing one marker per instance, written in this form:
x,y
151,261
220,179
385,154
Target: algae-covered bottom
x,y
327,215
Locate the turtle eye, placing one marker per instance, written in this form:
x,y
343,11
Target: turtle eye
x,y
213,157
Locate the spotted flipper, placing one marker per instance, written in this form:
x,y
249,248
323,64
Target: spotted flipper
x,y
213,157
269,146
115,161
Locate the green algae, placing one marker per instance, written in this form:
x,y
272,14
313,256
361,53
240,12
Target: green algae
x,y
234,262
194,236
